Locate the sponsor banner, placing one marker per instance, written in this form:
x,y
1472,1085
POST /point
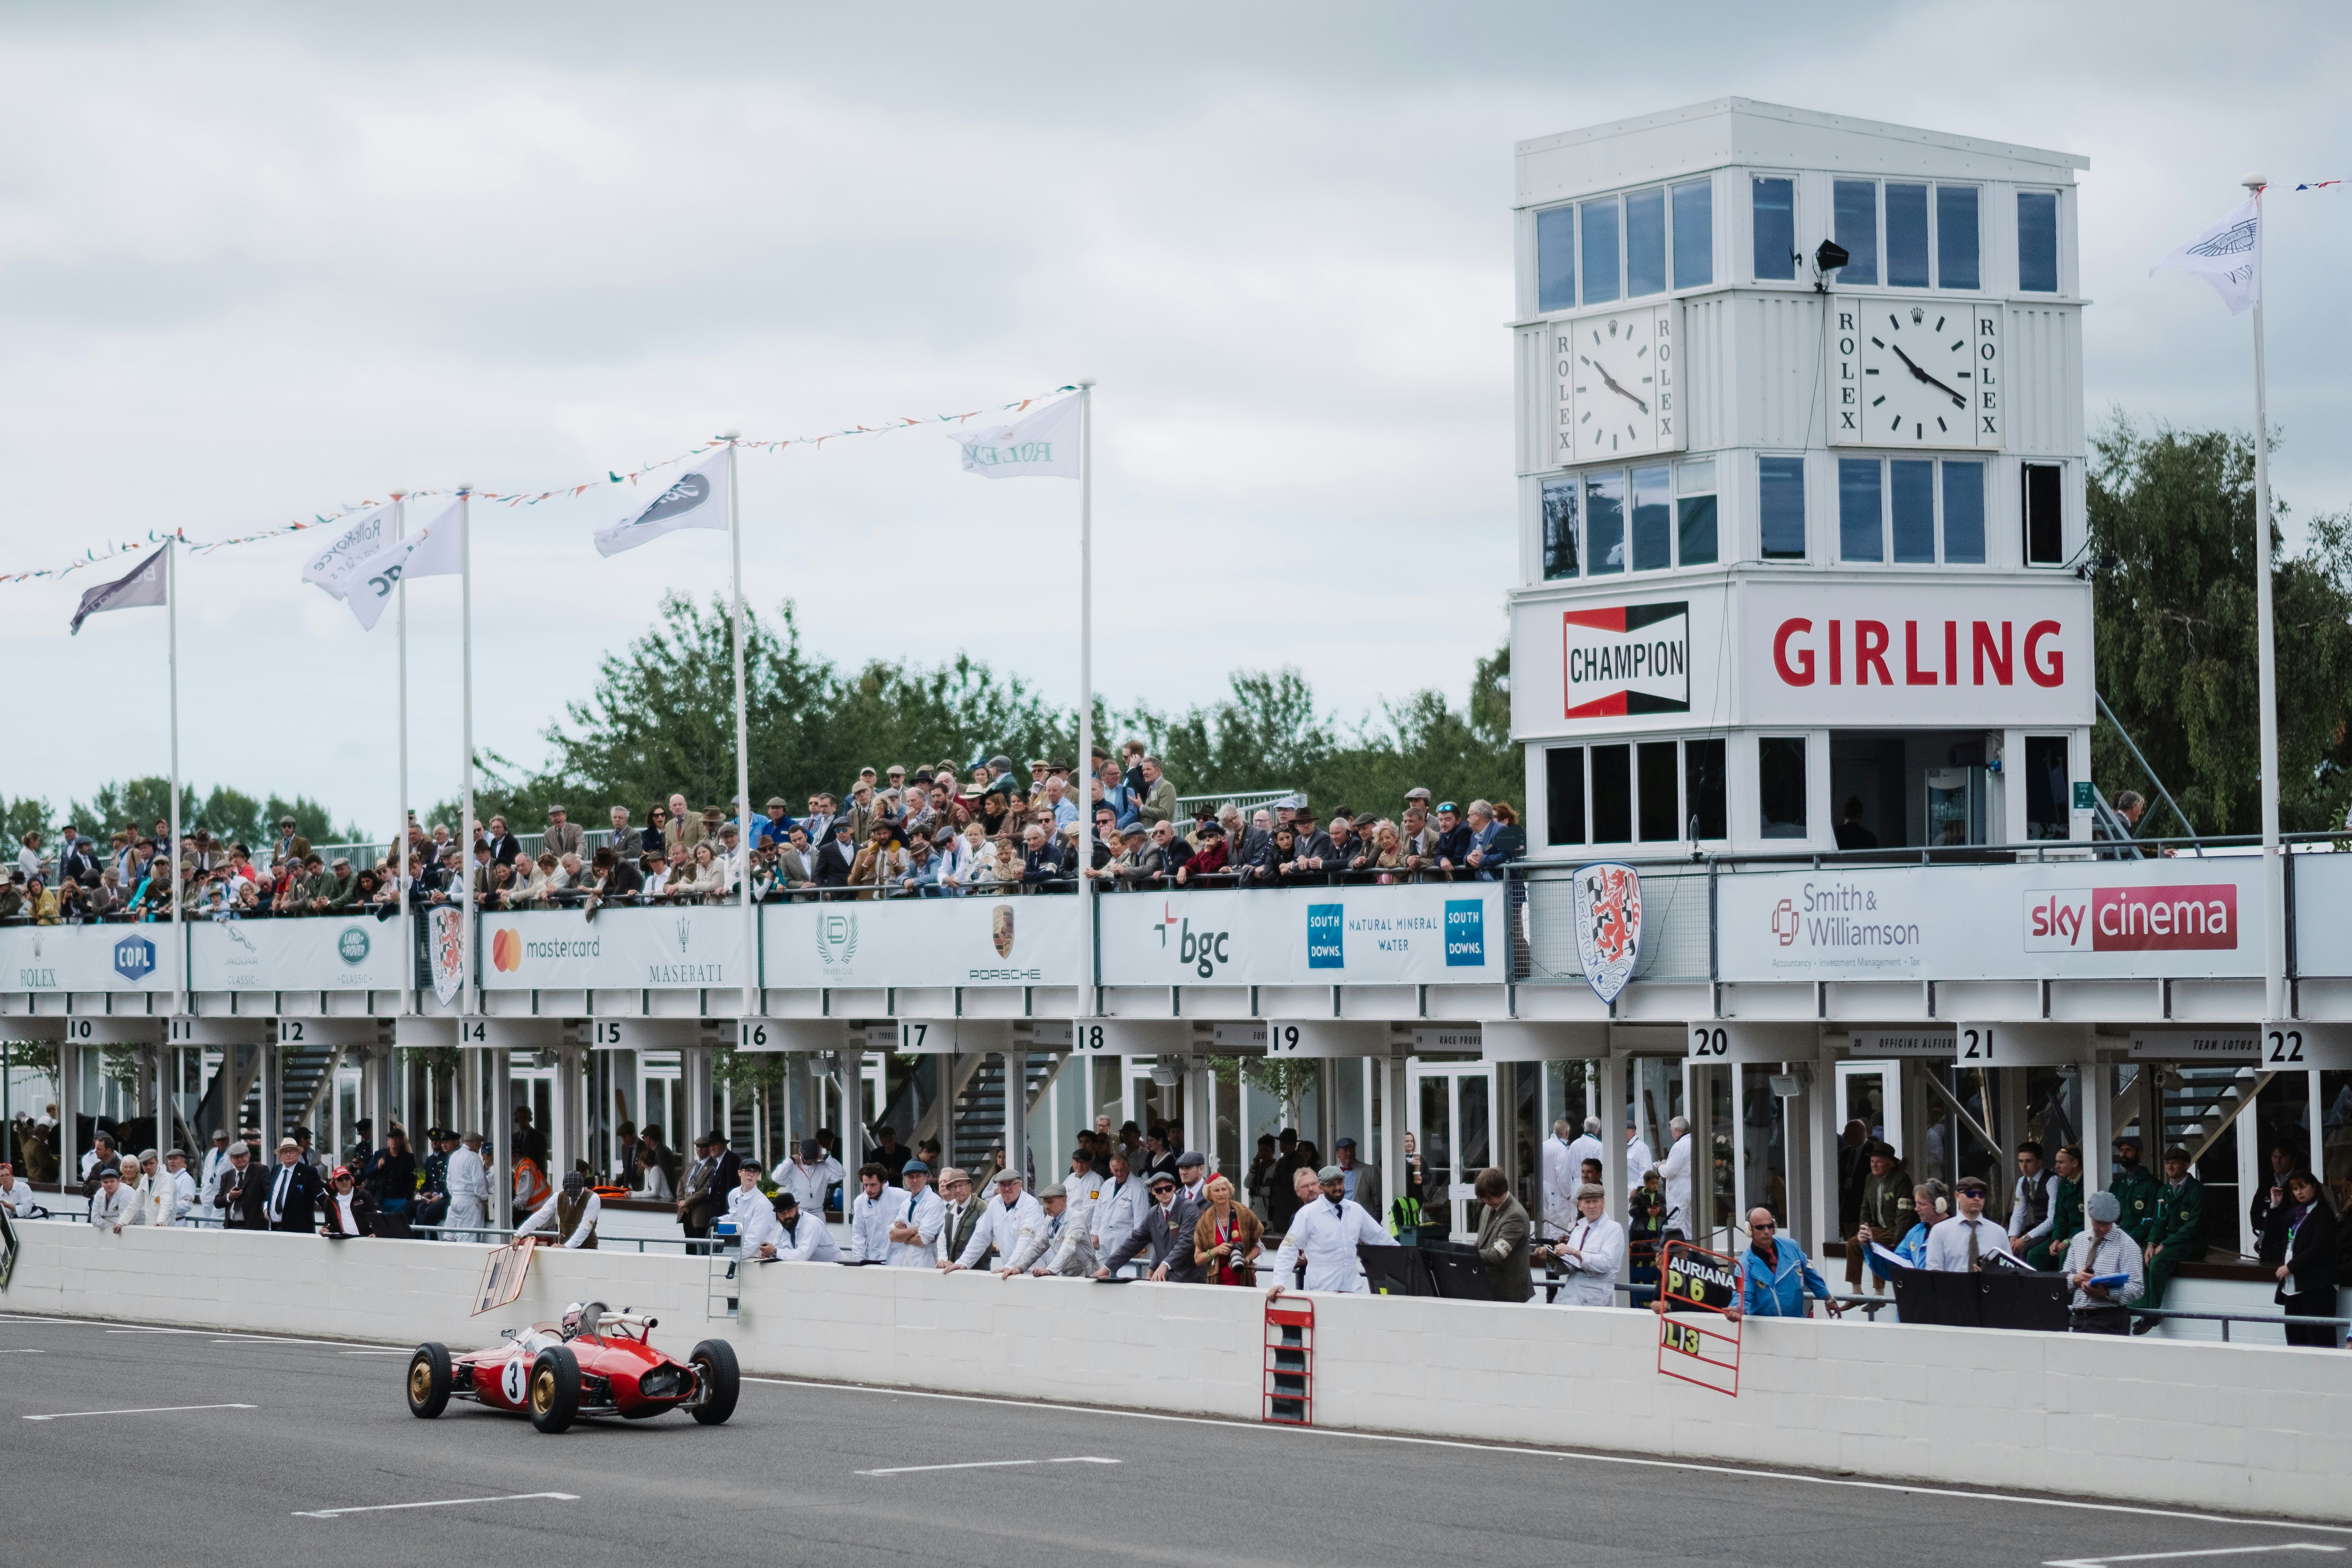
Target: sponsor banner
x,y
312,954
1436,934
2080,919
1626,659
681,948
1619,664
86,958
977,940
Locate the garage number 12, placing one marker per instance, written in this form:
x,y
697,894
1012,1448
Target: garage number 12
x,y
2283,1047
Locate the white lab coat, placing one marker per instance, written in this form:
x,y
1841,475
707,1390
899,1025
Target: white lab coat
x,y
759,1226
1327,1236
170,1196
869,1224
1002,1227
1117,1212
544,1219
1638,1160
1558,1185
808,1183
1592,1279
928,1213
469,1192
208,1183
106,1212
743,1201
16,1198
1674,1180
1038,1241
134,1197
808,1241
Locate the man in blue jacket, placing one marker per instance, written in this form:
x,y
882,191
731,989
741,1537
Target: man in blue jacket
x,y
1775,1277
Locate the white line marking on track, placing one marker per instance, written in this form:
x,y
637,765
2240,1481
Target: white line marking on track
x,y
989,1464
1736,1472
142,1410
2167,1556
24,1352
443,1502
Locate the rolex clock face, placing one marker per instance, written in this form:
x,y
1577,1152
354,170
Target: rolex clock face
x,y
1614,391
1914,373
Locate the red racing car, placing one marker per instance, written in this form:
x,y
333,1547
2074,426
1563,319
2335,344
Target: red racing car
x,y
595,1362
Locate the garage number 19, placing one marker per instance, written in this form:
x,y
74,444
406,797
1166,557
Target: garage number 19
x,y
2283,1047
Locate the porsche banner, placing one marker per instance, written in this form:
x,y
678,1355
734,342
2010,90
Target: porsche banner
x,y
976,940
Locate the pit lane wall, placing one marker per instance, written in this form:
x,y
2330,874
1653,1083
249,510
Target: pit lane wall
x,y
2255,1429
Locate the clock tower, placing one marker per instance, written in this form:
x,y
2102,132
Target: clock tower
x,y
1801,458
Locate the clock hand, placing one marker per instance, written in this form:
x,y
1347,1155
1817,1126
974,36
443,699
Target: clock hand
x,y
1957,399
1612,382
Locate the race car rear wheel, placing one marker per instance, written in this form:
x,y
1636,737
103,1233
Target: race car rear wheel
x,y
714,1368
429,1378
554,1394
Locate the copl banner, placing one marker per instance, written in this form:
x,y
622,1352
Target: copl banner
x,y
86,958
1433,935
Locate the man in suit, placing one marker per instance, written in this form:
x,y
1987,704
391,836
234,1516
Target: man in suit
x,y
504,846
292,1193
628,843
1503,1239
1166,1230
708,1185
1363,1181
839,855
963,1213
562,836
77,860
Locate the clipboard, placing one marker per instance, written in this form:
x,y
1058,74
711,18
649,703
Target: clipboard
x,y
502,1276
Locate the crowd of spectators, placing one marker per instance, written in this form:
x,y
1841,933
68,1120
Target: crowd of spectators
x,y
933,834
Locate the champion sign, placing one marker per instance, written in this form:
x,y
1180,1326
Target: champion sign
x,y
1626,659
2132,919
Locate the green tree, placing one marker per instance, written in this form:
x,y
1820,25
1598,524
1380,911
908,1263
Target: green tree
x,y
229,814
2171,531
27,814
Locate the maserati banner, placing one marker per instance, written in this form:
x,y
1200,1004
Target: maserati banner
x,y
650,950
976,940
295,955
86,958
2080,919
1437,934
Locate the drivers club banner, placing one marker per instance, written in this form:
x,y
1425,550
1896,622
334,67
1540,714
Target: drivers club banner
x,y
1607,905
445,941
502,1276
363,954
1438,933
677,948
975,940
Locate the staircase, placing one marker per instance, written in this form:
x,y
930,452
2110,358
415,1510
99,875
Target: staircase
x,y
980,1109
301,1069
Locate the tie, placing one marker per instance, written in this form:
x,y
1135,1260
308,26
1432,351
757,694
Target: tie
x,y
1973,1264
278,1194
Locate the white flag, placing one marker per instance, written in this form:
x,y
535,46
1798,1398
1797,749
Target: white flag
x,y
333,565
1045,445
699,499
432,550
2225,256
143,586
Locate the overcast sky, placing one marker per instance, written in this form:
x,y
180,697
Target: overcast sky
x,y
256,262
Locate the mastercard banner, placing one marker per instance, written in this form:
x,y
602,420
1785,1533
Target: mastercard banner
x,y
658,949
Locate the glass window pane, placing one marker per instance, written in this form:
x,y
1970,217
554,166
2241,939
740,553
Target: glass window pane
x,y
1613,795
1703,788
1695,234
1911,490
1604,521
1964,522
2045,535
2037,241
1695,478
2046,794
1696,527
1556,259
1781,507
1856,228
1661,802
1774,211
1652,521
1956,236
1780,785
1645,242
1861,531
1906,235
1600,254
1560,531
1564,794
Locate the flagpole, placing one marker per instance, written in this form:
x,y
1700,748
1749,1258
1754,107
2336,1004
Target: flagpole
x,y
400,821
1086,700
466,997
172,620
743,743
2273,869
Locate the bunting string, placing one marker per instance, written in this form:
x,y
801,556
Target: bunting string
x,y
97,554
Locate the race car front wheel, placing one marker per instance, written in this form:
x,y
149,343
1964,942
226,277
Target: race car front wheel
x,y
428,1381
714,1368
554,1396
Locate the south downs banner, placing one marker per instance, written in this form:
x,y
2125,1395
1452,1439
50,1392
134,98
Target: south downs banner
x,y
86,958
976,940
1438,934
314,954
678,948
2080,919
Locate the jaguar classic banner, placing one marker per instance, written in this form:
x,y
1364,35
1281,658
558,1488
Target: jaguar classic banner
x,y
975,940
361,954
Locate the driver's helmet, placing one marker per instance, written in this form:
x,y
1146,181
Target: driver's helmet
x,y
572,1315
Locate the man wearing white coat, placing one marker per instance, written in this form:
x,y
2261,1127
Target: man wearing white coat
x,y
869,1216
1009,1216
1674,1176
808,1176
1326,1232
172,1193
1638,1158
469,1189
1591,1250
1120,1208
784,1234
1563,1172
915,1231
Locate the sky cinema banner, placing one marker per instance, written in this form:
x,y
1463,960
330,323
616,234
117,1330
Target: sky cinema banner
x,y
2073,920
1430,934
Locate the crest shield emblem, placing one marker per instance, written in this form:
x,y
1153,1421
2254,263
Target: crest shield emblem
x,y
446,950
1608,907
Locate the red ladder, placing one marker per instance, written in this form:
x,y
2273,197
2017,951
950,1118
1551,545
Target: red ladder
x,y
1289,1390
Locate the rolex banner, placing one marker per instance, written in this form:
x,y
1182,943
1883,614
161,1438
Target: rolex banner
x,y
658,949
86,958
1042,444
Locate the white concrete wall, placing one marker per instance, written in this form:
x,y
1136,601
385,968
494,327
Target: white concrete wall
x,y
2251,1428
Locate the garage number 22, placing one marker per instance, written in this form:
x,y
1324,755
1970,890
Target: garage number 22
x,y
2283,1047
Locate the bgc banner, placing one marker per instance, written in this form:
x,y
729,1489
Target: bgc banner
x,y
86,958
975,940
1438,934
296,956
2081,919
620,950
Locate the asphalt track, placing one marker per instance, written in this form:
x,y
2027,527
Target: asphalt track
x,y
97,1466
